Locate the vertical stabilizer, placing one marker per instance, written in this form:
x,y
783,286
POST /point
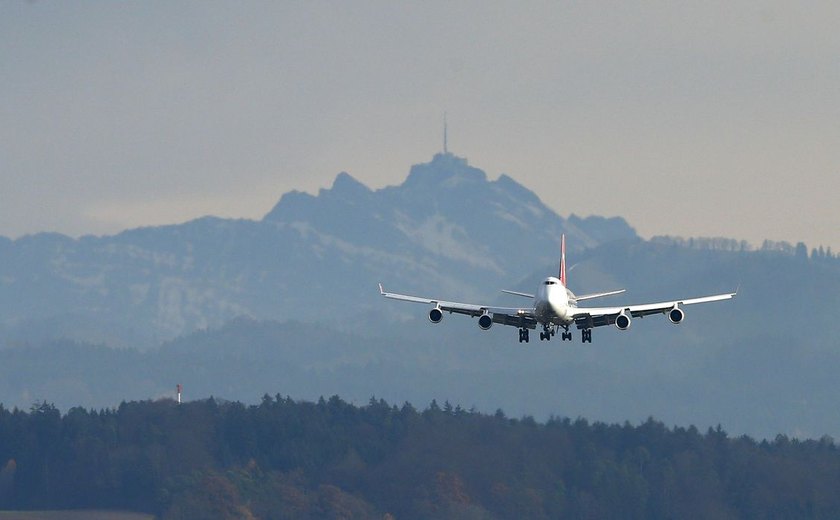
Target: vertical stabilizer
x,y
563,259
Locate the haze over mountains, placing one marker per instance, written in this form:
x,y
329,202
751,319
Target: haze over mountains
x,y
289,304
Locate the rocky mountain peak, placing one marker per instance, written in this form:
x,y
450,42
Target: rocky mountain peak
x,y
445,169
346,185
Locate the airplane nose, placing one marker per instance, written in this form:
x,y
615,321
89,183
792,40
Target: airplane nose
x,y
559,305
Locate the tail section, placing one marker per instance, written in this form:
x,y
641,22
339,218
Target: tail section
x,y
563,259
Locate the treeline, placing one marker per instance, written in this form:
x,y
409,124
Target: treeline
x,y
330,459
741,246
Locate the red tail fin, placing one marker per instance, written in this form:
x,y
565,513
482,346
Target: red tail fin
x,y
563,259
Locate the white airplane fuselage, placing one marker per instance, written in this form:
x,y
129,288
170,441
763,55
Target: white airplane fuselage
x,y
552,303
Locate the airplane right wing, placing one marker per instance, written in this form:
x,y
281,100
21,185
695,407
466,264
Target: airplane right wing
x,y
514,316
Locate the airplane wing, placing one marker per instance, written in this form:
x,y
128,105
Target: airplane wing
x,y
588,317
514,316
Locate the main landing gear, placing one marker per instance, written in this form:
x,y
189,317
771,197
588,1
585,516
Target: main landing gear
x,y
549,332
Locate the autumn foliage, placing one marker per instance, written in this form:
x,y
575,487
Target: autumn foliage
x,y
284,459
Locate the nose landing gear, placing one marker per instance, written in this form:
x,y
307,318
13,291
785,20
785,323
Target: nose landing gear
x,y
566,336
547,333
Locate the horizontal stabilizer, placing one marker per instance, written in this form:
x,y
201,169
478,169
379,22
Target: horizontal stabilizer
x,y
517,293
597,295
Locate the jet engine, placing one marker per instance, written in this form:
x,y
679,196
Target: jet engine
x,y
676,315
485,321
622,321
435,315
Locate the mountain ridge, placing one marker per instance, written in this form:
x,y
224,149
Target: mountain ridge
x,y
446,227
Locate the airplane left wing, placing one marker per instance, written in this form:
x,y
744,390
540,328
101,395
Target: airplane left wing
x,y
588,317
515,316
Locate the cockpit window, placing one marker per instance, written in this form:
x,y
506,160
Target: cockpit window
x,y
550,282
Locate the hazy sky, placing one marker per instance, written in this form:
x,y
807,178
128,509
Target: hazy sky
x,y
707,118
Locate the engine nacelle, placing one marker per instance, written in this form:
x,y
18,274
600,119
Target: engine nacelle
x,y
622,321
485,322
676,315
435,315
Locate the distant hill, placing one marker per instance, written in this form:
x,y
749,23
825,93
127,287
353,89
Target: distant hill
x,y
87,514
447,228
758,364
237,308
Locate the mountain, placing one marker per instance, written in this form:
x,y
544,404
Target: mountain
x,y
312,258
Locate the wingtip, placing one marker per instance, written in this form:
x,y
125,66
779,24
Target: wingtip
x,y
381,290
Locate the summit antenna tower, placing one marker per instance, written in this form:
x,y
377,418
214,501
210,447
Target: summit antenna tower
x,y
445,147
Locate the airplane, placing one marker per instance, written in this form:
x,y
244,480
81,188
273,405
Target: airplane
x,y
556,307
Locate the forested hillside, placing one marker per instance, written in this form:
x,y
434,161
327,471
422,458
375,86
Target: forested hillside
x,y
330,459
760,364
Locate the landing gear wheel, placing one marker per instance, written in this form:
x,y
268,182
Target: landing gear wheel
x,y
586,335
523,335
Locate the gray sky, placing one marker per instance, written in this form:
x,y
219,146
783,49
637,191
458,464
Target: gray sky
x,y
707,118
